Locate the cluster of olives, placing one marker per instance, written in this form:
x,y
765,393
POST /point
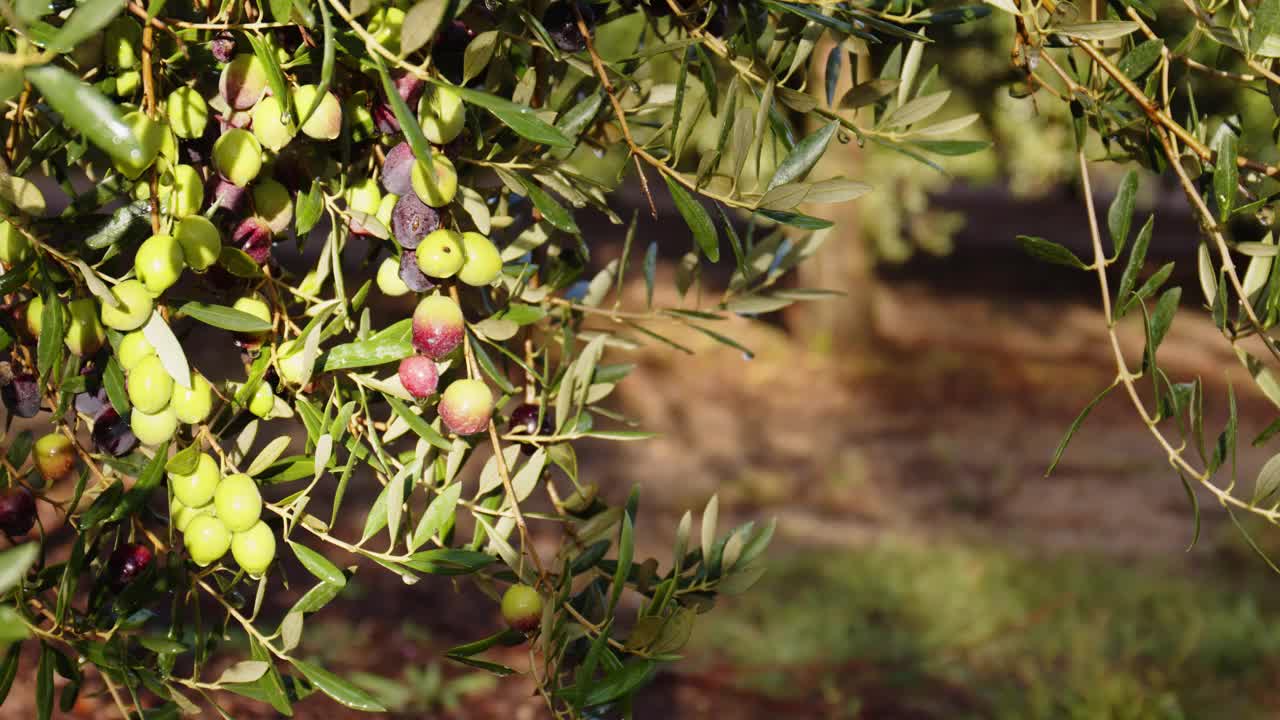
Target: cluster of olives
x,y
216,514
159,403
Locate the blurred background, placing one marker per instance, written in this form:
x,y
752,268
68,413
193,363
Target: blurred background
x,y
923,565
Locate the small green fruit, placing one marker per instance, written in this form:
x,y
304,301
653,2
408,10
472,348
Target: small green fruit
x,y
326,122
386,208
54,456
188,113
187,193
522,608
440,254
483,264
254,549
134,348
153,429
291,364
150,386
273,204
193,405
442,114
238,156
34,314
207,539
196,490
364,197
150,135
158,263
263,400
180,515
133,307
238,502
254,304
466,406
243,81
385,25
85,334
389,281
435,186
269,126
123,38
14,246
200,241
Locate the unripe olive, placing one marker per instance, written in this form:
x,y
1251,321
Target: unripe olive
x,y
34,315
238,502
269,126
389,281
437,185
134,348
419,375
243,81
158,263
196,489
200,241
274,205
207,539
254,304
483,264
55,456
153,428
438,326
441,114
85,334
127,83
14,246
466,406
150,386
263,400
193,405
187,111
291,363
385,24
254,549
187,194
17,511
238,156
326,122
364,196
150,135
122,41
133,306
181,515
386,208
440,254
522,608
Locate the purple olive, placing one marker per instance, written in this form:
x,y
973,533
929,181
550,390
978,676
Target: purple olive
x,y
17,511
126,564
223,46
412,276
22,395
112,434
253,236
412,220
226,194
384,119
397,170
561,23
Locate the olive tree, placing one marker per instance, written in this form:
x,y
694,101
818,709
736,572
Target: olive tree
x,y
364,218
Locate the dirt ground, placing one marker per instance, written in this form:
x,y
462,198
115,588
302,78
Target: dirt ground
x,y
942,428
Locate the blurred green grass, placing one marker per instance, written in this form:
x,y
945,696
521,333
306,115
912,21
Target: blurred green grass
x,y
961,631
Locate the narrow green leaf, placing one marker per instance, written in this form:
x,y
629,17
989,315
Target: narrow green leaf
x,y
407,119
1225,176
1075,425
696,217
318,565
89,18
339,689
227,318
419,426
519,118
803,156
551,210
1050,252
1137,257
87,111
